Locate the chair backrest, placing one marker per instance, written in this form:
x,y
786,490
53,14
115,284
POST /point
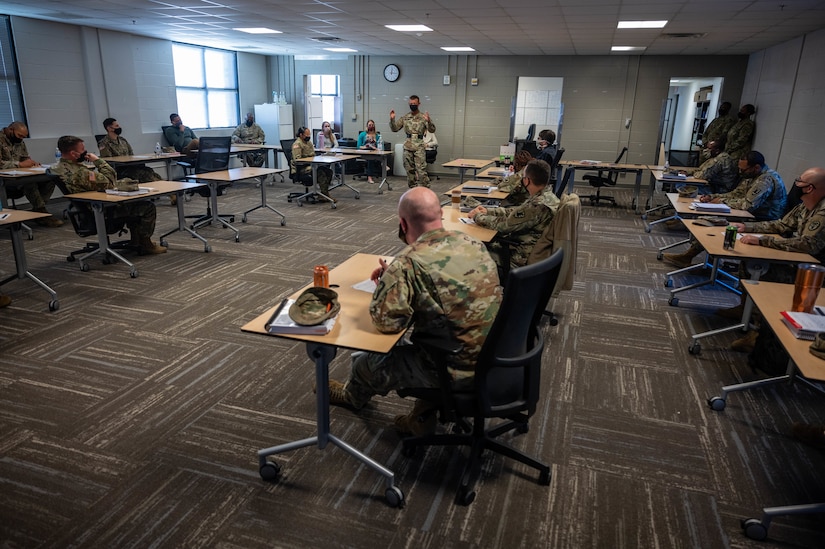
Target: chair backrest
x,y
286,147
531,132
213,154
508,371
430,155
555,174
163,135
794,198
99,137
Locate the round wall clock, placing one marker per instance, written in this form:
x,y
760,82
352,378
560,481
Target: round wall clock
x,y
391,72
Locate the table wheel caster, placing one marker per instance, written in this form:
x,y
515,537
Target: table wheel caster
x,y
381,191
754,529
669,283
334,206
357,197
207,248
270,471
465,496
395,497
644,217
84,267
717,403
54,305
659,256
695,348
544,477
673,301
237,237
243,219
283,222
70,258
647,228
164,243
133,272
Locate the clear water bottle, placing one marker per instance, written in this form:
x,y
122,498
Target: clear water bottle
x,y
274,97
157,149
379,142
57,155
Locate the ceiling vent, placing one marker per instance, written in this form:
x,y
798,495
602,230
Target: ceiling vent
x,y
326,39
683,34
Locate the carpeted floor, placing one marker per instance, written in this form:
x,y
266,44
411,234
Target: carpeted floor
x,y
131,417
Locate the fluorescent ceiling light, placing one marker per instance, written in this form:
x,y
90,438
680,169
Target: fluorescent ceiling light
x,y
457,48
409,28
258,30
341,50
641,24
627,48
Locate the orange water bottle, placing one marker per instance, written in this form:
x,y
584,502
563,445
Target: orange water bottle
x,y
320,276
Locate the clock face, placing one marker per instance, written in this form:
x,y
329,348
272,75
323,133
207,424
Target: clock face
x,y
391,72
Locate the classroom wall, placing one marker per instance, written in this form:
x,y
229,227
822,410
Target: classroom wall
x,y
73,77
786,83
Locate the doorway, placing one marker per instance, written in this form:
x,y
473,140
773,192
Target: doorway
x,y
691,104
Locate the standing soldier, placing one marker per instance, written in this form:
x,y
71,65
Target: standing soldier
x,y
415,125
717,130
740,135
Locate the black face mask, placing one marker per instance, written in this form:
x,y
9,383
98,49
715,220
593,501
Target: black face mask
x,y
249,123
306,138
82,157
413,108
118,131
370,128
178,124
401,234
14,139
743,115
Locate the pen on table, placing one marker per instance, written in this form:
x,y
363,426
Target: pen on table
x,y
819,310
276,313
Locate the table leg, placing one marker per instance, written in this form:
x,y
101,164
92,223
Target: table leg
x,y
713,279
217,219
637,190
344,183
182,226
264,204
570,178
20,262
315,189
322,355
383,175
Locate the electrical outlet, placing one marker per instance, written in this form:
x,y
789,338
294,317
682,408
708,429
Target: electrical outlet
x,y
354,116
446,79
474,81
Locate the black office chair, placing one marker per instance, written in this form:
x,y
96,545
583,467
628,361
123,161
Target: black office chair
x,y
555,173
213,156
507,376
604,179
430,155
531,132
306,180
82,218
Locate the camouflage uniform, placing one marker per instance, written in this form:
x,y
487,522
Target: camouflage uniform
x,y
305,149
442,275
511,184
522,225
721,172
415,155
764,196
739,138
804,229
251,135
37,189
121,147
78,178
716,130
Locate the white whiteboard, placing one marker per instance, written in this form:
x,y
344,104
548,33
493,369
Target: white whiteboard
x,y
538,101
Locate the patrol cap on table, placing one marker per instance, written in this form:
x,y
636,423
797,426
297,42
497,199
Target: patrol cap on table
x,y
314,306
689,191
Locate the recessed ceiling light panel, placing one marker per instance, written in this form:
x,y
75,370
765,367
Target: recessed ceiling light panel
x,y
409,28
641,24
258,30
457,48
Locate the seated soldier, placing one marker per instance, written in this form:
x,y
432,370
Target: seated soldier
x,y
760,191
79,178
519,227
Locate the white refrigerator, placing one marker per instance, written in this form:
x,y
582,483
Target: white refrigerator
x,y
276,121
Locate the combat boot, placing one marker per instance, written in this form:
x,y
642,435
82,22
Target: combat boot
x,y
422,420
339,396
50,221
681,260
149,247
746,343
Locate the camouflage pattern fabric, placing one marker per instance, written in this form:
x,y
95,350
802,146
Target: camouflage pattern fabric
x,y
78,178
314,306
415,158
740,137
253,134
37,190
764,196
305,149
520,225
802,227
516,193
716,130
120,147
721,172
442,275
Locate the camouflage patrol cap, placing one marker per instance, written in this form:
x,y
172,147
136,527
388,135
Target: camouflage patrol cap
x,y
314,306
818,346
688,192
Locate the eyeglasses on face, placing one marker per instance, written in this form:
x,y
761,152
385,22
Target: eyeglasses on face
x,y
799,182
